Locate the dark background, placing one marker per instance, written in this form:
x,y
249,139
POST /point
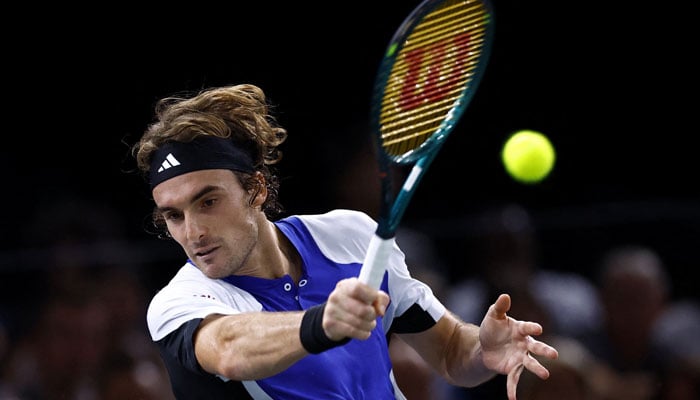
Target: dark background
x,y
613,87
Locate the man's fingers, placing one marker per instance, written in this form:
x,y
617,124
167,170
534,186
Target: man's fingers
x,y
353,308
512,382
527,328
535,367
541,349
381,303
501,306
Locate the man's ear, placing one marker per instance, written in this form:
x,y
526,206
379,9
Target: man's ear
x,y
259,191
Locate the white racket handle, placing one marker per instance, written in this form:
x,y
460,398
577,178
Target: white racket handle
x,y
376,260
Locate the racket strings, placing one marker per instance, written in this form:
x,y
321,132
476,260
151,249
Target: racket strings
x,y
447,21
434,67
413,128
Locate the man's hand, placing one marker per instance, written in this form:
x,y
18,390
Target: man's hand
x,y
507,345
352,310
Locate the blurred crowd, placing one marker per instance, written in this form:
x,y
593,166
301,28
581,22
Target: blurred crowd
x,y
76,330
621,336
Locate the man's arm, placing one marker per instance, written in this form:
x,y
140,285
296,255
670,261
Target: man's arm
x,y
451,347
256,345
250,345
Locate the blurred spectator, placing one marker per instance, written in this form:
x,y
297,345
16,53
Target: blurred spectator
x,y
504,257
648,339
635,290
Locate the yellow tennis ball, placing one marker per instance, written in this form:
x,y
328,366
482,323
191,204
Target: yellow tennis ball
x,y
528,156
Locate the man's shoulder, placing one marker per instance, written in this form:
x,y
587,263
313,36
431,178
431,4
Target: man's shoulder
x,y
341,234
340,217
187,281
339,223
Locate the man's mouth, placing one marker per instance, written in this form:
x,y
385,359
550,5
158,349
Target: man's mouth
x,y
206,252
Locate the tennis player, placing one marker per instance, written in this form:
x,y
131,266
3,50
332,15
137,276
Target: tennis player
x,y
266,307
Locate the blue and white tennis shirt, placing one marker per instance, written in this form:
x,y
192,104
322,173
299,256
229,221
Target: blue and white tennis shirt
x,y
332,247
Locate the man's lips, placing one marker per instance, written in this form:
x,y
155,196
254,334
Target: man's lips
x,y
205,252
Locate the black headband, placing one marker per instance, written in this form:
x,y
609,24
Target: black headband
x,y
205,152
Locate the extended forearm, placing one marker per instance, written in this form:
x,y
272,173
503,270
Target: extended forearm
x,y
464,362
250,345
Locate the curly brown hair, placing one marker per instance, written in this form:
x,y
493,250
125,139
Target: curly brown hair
x,y
239,112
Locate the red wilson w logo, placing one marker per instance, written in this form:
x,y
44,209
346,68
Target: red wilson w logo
x,y
435,72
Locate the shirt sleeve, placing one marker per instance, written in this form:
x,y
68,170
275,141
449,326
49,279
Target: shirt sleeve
x,y
191,295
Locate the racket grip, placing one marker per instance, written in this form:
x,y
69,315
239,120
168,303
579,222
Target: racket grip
x,y
376,260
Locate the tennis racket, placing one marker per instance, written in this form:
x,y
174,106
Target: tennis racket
x,y
428,75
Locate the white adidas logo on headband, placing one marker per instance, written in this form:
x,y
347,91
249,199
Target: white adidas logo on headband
x,y
170,161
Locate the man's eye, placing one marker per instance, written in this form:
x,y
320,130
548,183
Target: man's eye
x,y
209,202
172,216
